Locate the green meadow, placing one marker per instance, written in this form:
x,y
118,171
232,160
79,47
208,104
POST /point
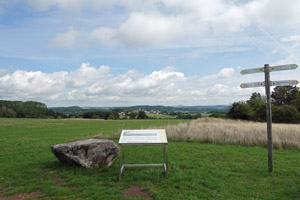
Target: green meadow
x,y
28,169
160,116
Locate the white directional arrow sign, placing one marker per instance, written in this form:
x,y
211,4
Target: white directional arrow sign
x,y
252,71
272,69
284,83
272,83
253,84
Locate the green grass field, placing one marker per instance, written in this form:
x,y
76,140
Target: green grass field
x,y
160,116
196,170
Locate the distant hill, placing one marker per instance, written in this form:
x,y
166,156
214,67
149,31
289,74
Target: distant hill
x,y
192,109
77,110
196,109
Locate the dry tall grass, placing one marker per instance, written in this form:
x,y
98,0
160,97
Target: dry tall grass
x,y
225,131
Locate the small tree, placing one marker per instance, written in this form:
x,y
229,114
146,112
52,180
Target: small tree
x,y
113,115
132,115
285,114
197,115
11,113
296,101
258,105
283,95
240,110
142,115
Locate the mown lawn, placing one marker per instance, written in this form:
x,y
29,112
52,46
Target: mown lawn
x,y
160,116
196,170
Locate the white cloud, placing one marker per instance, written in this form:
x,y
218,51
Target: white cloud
x,y
225,73
154,27
291,59
274,12
165,22
291,38
65,40
195,18
72,5
96,86
86,74
79,5
22,84
3,71
139,30
92,86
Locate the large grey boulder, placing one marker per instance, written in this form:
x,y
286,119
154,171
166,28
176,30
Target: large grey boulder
x,y
91,153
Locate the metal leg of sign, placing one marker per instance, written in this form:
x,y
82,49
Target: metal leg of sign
x,y
123,165
121,161
166,159
123,154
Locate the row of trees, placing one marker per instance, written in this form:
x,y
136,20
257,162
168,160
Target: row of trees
x,y
181,115
114,115
29,109
32,109
285,106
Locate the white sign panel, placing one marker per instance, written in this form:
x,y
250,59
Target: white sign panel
x,y
283,67
252,71
145,136
272,83
272,69
284,83
251,85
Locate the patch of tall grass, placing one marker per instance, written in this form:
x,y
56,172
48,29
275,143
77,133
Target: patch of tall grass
x,y
235,132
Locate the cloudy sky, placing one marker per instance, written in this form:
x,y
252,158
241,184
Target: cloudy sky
x,y
134,52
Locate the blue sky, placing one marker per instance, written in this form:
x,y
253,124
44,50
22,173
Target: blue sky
x,y
121,53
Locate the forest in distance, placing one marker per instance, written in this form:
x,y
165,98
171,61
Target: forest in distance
x,y
158,108
32,109
285,109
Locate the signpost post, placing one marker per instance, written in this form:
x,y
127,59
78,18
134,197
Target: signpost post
x,y
269,118
267,83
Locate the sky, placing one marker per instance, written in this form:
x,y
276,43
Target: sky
x,y
143,52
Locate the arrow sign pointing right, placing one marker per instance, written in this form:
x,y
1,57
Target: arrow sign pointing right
x,y
272,69
272,83
283,67
284,83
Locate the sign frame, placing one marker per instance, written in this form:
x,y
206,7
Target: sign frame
x,y
143,136
160,133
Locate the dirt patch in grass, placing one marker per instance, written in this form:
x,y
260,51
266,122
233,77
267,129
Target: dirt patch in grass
x,y
136,191
20,196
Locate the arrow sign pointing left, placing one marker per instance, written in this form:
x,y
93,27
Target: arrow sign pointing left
x,y
251,85
272,83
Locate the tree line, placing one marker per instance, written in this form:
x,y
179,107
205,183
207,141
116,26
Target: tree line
x,y
33,109
29,109
114,114
285,106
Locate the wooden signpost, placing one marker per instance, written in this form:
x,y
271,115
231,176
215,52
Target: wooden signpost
x,y
267,83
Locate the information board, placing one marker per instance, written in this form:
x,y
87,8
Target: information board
x,y
145,136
